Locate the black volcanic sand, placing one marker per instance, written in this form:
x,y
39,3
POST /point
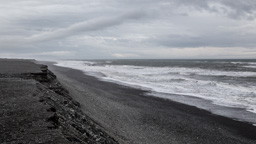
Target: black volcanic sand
x,y
35,108
131,117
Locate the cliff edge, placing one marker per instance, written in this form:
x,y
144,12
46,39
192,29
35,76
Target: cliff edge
x,y
35,108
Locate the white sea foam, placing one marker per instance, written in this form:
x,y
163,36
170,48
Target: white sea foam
x,y
176,80
249,63
246,64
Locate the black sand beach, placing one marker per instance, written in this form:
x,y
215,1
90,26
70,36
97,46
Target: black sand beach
x,y
35,108
131,117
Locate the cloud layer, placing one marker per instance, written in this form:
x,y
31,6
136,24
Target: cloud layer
x,y
96,29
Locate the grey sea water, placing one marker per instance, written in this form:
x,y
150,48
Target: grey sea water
x,y
225,87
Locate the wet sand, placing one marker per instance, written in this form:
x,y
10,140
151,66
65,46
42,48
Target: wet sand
x,y
130,116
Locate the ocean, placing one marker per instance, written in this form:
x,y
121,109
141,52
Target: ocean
x,y
224,87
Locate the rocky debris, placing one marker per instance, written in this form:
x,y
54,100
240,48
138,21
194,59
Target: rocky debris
x,y
35,108
68,116
22,116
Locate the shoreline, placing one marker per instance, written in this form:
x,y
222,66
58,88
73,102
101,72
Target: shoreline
x,y
233,112
202,120
241,110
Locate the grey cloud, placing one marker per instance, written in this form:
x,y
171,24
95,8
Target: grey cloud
x,y
91,25
50,26
242,8
207,40
75,29
237,9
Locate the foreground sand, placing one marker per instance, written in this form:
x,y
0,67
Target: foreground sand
x,y
131,117
35,108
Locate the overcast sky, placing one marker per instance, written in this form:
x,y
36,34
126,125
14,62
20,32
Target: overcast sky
x,y
104,29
